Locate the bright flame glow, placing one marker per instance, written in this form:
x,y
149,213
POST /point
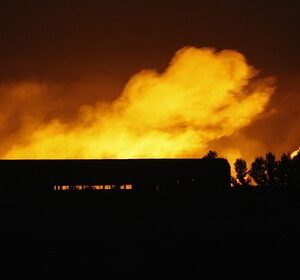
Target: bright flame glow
x,y
295,153
202,95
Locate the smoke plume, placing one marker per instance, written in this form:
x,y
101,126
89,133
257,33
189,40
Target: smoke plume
x,y
202,96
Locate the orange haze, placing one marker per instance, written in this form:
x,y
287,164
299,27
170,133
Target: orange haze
x,y
203,95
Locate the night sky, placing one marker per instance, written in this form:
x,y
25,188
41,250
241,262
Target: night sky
x,y
103,43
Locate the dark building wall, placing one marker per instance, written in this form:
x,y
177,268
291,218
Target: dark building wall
x,y
146,175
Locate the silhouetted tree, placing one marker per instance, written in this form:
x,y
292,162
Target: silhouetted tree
x,y
211,154
241,179
259,172
285,171
272,170
283,174
295,176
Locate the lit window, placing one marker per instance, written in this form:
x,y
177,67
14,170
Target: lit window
x,y
107,187
128,187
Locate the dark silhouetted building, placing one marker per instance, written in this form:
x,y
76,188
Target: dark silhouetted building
x,y
137,175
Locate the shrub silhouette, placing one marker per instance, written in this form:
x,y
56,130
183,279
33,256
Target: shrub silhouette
x,y
211,155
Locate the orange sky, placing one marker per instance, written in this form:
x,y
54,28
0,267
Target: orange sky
x,y
58,59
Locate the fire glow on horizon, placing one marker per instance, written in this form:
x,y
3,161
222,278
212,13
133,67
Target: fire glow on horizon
x,y
203,95
295,153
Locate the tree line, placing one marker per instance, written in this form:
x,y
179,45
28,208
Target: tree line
x,y
266,172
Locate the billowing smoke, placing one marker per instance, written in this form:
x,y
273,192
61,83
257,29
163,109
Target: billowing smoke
x,y
202,96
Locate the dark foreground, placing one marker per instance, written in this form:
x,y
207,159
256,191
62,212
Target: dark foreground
x,y
83,233
190,231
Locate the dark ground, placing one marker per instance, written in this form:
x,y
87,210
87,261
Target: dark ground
x,y
190,232
83,233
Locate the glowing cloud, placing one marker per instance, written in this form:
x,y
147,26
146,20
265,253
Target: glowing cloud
x,y
202,95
